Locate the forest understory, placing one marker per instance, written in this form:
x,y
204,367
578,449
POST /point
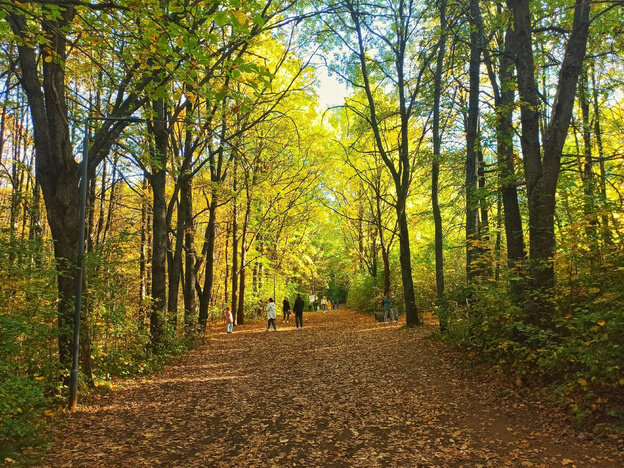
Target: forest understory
x,y
343,391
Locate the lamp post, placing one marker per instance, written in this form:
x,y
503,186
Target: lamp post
x,y
84,179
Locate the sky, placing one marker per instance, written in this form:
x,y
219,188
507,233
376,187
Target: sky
x,y
331,91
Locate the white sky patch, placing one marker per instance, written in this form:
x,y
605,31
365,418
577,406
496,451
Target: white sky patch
x,y
330,90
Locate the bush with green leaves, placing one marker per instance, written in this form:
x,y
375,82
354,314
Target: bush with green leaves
x,y
22,403
365,293
28,365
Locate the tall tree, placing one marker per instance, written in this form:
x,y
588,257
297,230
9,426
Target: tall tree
x,y
473,148
542,160
435,168
405,73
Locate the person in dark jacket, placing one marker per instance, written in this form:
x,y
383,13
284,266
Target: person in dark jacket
x,y
298,310
286,310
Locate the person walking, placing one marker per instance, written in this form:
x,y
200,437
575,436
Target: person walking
x,y
324,304
286,310
387,308
298,310
271,314
229,319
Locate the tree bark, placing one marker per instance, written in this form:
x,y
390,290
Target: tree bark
x,y
159,224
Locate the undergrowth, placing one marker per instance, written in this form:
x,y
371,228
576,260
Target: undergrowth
x,y
579,357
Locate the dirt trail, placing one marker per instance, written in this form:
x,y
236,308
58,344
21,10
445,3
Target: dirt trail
x,y
344,391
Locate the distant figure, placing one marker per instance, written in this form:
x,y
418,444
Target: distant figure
x,y
229,319
298,310
286,310
324,304
311,299
271,314
387,304
335,304
315,305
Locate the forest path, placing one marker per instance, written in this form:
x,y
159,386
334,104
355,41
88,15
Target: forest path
x,y
344,391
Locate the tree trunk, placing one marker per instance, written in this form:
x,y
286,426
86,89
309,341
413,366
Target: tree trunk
x,y
484,221
435,171
605,231
92,198
373,252
143,252
226,279
185,212
241,286
85,335
235,251
159,225
243,251
472,123
587,174
360,232
209,240
102,212
514,235
406,265
498,241
16,198
111,204
174,262
36,229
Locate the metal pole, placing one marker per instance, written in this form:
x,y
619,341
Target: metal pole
x,y
73,385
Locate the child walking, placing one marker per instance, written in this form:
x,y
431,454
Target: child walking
x,y
286,310
229,319
271,314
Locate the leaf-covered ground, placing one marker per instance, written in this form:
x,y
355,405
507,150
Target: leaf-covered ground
x,y
344,391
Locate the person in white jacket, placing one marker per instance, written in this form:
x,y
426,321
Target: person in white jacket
x,y
271,314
